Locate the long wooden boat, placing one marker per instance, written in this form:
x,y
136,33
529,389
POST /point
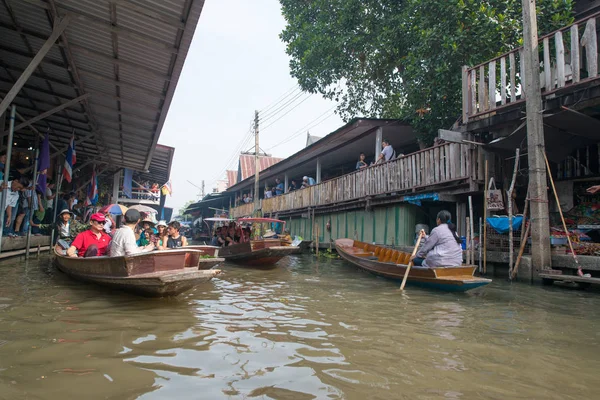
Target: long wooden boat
x,y
203,251
257,253
159,273
392,264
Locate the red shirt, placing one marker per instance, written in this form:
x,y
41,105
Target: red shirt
x,y
87,238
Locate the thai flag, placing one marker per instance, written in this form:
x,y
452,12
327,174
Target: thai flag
x,y
167,188
70,160
92,192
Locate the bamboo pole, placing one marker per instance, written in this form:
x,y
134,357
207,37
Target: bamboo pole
x,y
521,251
562,218
410,264
510,214
485,195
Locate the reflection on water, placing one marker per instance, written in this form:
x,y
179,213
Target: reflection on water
x,y
302,331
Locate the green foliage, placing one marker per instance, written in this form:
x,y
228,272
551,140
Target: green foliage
x,y
185,206
402,58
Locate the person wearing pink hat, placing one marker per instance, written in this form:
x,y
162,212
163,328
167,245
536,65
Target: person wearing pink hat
x,y
92,242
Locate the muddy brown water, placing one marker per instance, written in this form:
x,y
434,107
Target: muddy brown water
x,y
305,330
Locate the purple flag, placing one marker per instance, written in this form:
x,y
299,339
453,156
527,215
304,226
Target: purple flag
x,y
127,178
43,164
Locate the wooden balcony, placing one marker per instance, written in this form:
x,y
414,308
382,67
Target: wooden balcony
x,y
498,83
450,164
139,196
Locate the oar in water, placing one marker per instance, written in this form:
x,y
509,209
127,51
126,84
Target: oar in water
x,y
410,264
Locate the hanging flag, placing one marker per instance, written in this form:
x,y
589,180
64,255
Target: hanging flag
x,y
43,165
127,179
167,188
70,160
92,192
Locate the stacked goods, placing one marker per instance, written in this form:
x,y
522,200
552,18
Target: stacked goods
x,y
584,214
586,249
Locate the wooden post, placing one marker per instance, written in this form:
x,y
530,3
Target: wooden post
x,y
317,241
472,230
468,247
256,165
33,185
510,214
485,196
480,245
521,250
9,146
540,227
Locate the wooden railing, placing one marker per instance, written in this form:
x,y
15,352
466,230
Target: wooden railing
x,y
483,93
426,168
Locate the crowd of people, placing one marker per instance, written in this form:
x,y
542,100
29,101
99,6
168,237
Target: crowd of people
x,y
387,154
134,235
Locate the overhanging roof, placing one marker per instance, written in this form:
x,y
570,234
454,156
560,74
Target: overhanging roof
x,y
160,166
127,55
344,144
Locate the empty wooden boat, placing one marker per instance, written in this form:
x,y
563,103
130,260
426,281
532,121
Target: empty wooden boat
x,y
157,273
392,264
257,253
208,256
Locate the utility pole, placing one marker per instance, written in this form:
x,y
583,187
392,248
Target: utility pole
x,y
540,224
256,164
202,188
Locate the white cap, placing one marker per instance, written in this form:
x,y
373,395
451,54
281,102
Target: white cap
x,y
305,178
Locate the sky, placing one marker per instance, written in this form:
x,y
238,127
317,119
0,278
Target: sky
x,y
236,64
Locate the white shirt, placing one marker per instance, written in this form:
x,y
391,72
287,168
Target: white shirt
x,y
107,225
123,243
48,195
388,152
12,198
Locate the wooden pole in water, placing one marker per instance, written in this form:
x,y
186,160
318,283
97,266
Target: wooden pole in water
x,y
485,196
472,222
511,246
521,251
317,241
468,244
410,264
480,244
579,271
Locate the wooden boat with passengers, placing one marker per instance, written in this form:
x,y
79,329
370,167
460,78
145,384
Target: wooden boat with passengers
x,y
156,273
392,264
264,253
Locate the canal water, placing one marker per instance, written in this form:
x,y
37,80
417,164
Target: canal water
x,y
307,330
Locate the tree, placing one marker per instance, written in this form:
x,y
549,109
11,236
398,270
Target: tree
x,y
182,212
402,58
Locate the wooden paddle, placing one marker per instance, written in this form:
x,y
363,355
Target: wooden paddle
x,y
410,264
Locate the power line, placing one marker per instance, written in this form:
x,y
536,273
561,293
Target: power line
x,y
301,130
280,99
289,111
247,137
274,113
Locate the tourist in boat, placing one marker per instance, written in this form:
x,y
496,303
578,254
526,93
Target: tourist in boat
x,y
286,238
144,239
361,163
279,187
123,242
175,239
92,242
161,228
443,246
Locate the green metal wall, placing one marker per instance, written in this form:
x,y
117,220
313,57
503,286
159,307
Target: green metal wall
x,y
381,225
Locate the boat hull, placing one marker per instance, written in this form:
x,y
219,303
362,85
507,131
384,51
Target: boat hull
x,y
163,273
257,254
204,250
391,264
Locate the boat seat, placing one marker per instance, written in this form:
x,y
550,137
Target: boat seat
x,y
386,255
403,259
395,256
377,251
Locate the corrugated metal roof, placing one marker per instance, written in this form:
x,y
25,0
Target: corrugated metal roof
x,y
231,178
126,54
246,166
